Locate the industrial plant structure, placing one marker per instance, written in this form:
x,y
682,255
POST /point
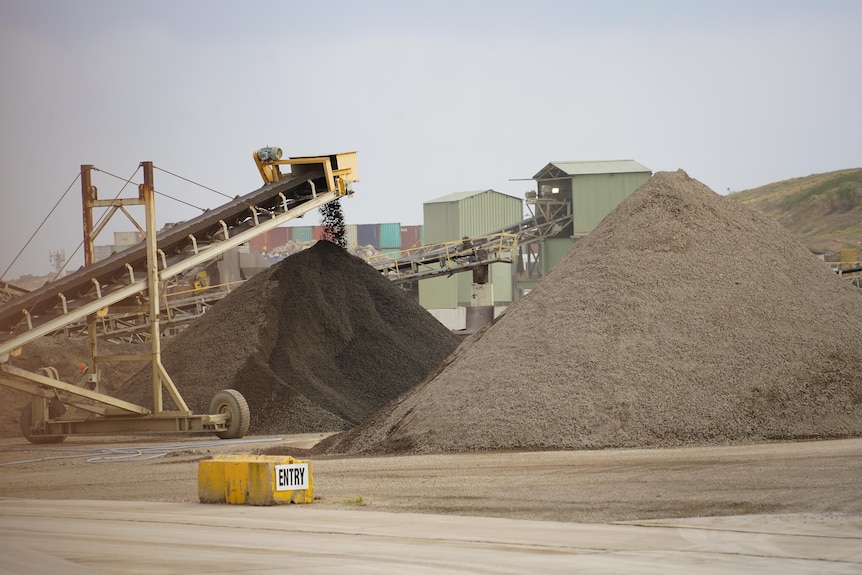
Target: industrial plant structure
x,y
569,200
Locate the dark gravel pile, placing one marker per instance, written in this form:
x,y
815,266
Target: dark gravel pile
x,y
318,342
685,318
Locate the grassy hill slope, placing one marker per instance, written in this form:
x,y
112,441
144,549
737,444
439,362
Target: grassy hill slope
x,y
824,211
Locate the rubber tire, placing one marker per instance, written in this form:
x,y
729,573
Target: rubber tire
x,y
55,409
232,402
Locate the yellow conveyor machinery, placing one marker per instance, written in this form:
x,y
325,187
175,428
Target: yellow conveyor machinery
x,y
132,278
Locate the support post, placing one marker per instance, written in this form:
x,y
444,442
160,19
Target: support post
x,y
159,374
89,195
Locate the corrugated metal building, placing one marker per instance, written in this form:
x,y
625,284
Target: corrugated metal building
x,y
594,189
450,218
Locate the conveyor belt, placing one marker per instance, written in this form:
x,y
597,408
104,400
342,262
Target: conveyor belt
x,y
9,291
113,273
459,256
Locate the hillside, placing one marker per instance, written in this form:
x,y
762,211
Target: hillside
x,y
823,211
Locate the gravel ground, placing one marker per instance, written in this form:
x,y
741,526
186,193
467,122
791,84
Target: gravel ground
x,y
819,478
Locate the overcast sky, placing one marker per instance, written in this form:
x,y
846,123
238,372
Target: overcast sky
x,y
436,97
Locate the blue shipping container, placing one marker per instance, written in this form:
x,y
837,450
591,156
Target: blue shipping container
x,y
368,235
390,236
303,233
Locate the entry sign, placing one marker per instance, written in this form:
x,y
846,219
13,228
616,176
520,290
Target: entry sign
x,y
291,477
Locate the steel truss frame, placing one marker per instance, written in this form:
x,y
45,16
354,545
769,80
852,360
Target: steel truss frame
x,y
131,281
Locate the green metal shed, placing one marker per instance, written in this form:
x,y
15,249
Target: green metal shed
x,y
594,188
450,218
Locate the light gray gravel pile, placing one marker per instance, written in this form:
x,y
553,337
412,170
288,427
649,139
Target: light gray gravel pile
x,y
684,318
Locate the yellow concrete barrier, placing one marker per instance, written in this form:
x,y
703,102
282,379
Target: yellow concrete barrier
x,y
255,480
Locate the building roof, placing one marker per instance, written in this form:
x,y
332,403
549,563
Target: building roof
x,y
562,169
458,196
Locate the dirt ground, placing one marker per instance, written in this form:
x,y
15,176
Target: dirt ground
x,y
818,477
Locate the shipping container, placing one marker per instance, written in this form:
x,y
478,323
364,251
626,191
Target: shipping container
x,y
303,233
102,252
368,235
259,243
277,237
319,232
391,252
127,238
411,237
350,235
390,235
